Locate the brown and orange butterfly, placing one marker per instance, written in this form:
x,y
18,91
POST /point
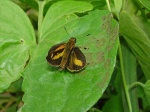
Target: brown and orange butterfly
x,y
67,55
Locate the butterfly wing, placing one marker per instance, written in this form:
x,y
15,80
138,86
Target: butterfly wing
x,y
55,54
76,61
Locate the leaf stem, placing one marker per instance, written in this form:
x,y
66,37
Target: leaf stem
x,y
124,80
108,5
40,17
136,84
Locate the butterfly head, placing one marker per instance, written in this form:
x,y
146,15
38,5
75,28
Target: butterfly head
x,y
72,39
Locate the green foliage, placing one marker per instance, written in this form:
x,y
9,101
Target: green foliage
x,y
29,28
145,4
16,38
59,88
147,89
135,35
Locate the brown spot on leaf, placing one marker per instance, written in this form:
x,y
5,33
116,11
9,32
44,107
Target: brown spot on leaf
x,y
109,47
92,64
104,80
100,57
107,64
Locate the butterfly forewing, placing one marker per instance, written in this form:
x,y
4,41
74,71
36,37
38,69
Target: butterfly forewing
x,y
55,54
76,61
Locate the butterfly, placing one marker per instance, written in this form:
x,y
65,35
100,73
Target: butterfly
x,y
67,55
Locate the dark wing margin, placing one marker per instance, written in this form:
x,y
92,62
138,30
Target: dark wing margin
x,y
55,54
76,61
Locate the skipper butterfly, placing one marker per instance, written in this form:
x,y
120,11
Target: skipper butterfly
x,y
67,55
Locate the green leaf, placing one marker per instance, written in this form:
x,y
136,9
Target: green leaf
x,y
15,86
31,3
145,3
16,37
147,90
63,91
130,76
55,16
94,110
135,32
118,6
114,104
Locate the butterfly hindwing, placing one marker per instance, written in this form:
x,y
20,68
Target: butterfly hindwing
x,y
76,61
55,54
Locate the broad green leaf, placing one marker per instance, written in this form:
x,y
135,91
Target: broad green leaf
x,y
147,90
136,34
113,105
54,18
48,89
16,37
145,3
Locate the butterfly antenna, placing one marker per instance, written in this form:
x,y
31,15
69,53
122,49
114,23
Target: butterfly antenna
x,y
67,31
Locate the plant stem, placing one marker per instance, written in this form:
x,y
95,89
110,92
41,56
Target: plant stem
x,y
135,84
108,5
124,80
40,17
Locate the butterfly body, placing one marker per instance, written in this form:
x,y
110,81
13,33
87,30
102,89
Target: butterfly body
x,y
66,55
67,50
